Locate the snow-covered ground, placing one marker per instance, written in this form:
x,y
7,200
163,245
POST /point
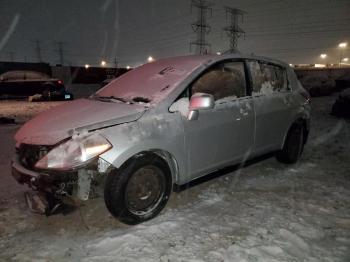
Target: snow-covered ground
x,y
264,212
22,111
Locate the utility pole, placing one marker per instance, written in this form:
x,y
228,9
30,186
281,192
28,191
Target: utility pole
x,y
38,50
60,51
116,66
200,26
12,56
233,31
115,61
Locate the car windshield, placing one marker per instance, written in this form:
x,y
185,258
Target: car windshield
x,y
153,81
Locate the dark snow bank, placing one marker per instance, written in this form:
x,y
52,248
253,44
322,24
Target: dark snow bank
x,y
341,106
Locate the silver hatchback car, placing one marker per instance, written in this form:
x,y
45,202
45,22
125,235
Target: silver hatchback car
x,y
164,123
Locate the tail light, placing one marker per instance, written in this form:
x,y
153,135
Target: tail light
x,y
60,82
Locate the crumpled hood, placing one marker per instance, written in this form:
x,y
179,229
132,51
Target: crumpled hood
x,y
58,123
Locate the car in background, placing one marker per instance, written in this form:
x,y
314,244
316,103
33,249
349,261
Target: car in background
x,y
341,106
21,83
164,123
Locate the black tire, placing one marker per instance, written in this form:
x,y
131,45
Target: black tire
x,y
46,92
293,145
122,192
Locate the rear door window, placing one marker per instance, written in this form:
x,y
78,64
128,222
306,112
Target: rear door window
x,y
267,78
281,79
224,80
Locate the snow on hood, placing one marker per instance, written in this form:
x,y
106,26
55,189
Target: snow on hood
x,y
58,123
154,80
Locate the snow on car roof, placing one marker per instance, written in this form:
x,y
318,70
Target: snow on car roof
x,y
154,80
23,74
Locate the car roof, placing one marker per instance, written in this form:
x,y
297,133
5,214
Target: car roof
x,y
202,59
155,80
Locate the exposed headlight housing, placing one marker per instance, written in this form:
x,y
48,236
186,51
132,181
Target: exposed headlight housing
x,y
74,152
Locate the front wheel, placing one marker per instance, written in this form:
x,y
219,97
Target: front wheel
x,y
293,145
139,190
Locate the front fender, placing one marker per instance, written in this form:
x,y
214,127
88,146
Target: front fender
x,y
156,135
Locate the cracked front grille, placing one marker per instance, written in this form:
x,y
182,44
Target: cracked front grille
x,y
29,155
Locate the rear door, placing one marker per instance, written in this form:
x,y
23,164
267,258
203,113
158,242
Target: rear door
x,y
224,134
271,95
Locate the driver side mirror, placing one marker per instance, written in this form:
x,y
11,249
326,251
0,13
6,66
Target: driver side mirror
x,y
200,101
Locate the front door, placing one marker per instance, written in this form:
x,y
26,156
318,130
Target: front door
x,y
222,135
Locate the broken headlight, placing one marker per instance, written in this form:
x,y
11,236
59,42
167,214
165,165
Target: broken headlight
x,y
74,152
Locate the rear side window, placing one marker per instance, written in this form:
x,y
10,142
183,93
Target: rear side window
x,y
281,79
225,80
267,78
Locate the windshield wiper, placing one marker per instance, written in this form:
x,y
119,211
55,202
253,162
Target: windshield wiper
x,y
140,99
109,98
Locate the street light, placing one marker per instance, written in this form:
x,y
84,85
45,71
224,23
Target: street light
x,y
323,56
150,59
87,66
103,63
128,67
342,46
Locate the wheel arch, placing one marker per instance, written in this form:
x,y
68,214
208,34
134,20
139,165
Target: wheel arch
x,y
116,185
166,156
306,128
48,84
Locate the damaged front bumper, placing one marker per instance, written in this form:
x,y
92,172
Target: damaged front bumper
x,y
66,187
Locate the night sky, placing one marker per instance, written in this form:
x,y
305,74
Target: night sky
x,y
131,30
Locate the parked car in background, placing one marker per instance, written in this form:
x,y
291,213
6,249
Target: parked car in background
x,y
341,106
164,123
29,83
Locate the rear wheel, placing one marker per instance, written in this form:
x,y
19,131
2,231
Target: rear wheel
x,y
293,145
47,92
139,190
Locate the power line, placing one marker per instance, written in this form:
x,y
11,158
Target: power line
x,y
268,32
296,7
12,56
170,41
200,26
156,24
60,51
38,50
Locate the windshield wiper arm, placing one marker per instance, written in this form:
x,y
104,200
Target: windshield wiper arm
x,y
109,98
